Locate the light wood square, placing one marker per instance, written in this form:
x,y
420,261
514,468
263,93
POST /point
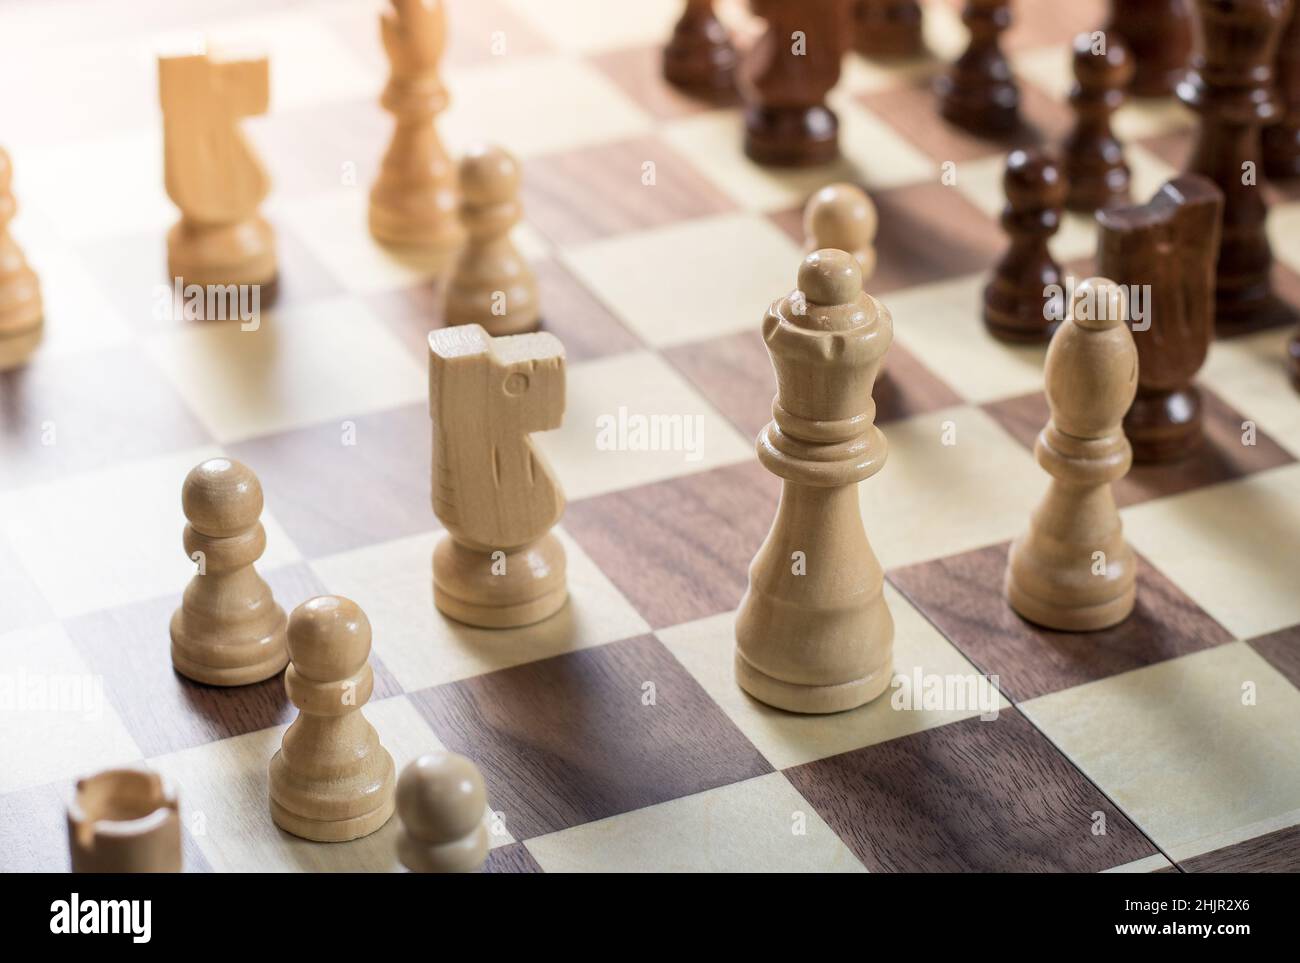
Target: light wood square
x,y
759,825
590,26
421,647
707,649
1250,373
1175,747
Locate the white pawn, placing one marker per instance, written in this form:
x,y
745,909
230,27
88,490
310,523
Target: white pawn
x,y
441,802
842,216
492,284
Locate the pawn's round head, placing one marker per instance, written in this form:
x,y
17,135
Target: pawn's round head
x,y
221,497
441,797
1033,180
840,216
1102,61
830,276
329,638
488,175
1099,303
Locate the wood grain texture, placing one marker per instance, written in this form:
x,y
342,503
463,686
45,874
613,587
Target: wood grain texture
x,y
637,72
568,740
970,796
511,858
679,550
1282,650
1275,852
1221,458
961,596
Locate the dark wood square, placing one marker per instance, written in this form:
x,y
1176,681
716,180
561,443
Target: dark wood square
x,y
971,796
597,192
94,408
1282,650
638,72
1276,852
1222,457
164,711
679,550
963,596
568,740
330,496
511,858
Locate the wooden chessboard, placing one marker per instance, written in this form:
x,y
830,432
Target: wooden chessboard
x,y
614,736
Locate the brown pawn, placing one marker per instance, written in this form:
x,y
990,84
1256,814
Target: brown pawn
x,y
1282,139
330,780
1072,570
441,803
413,202
1159,35
785,79
1095,171
1230,84
1022,301
979,92
124,821
228,629
492,285
813,631
21,311
699,56
842,216
888,29
1166,249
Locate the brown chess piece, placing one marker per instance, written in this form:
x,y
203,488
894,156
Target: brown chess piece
x,y
21,310
492,284
888,29
979,91
442,802
1282,139
1023,300
228,629
1230,85
813,632
330,780
785,79
413,201
1072,570
124,821
1095,171
499,565
699,57
1166,250
212,174
1159,35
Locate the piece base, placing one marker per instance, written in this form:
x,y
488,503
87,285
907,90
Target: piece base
x,y
496,617
16,348
415,235
464,855
995,115
810,699
1088,618
791,136
332,830
238,675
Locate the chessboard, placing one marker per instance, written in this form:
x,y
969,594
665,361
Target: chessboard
x,y
613,736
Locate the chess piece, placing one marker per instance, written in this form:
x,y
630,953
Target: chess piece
x,y
228,629
1282,139
699,56
1159,36
813,633
124,821
1166,248
21,311
1230,84
841,216
330,780
413,202
441,802
1095,172
492,284
1072,570
1020,301
499,565
785,79
979,91
211,172
888,29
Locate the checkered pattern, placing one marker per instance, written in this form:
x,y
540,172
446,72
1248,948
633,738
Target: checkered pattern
x,y
613,736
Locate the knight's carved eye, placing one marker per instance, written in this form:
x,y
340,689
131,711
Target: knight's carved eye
x,y
516,383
